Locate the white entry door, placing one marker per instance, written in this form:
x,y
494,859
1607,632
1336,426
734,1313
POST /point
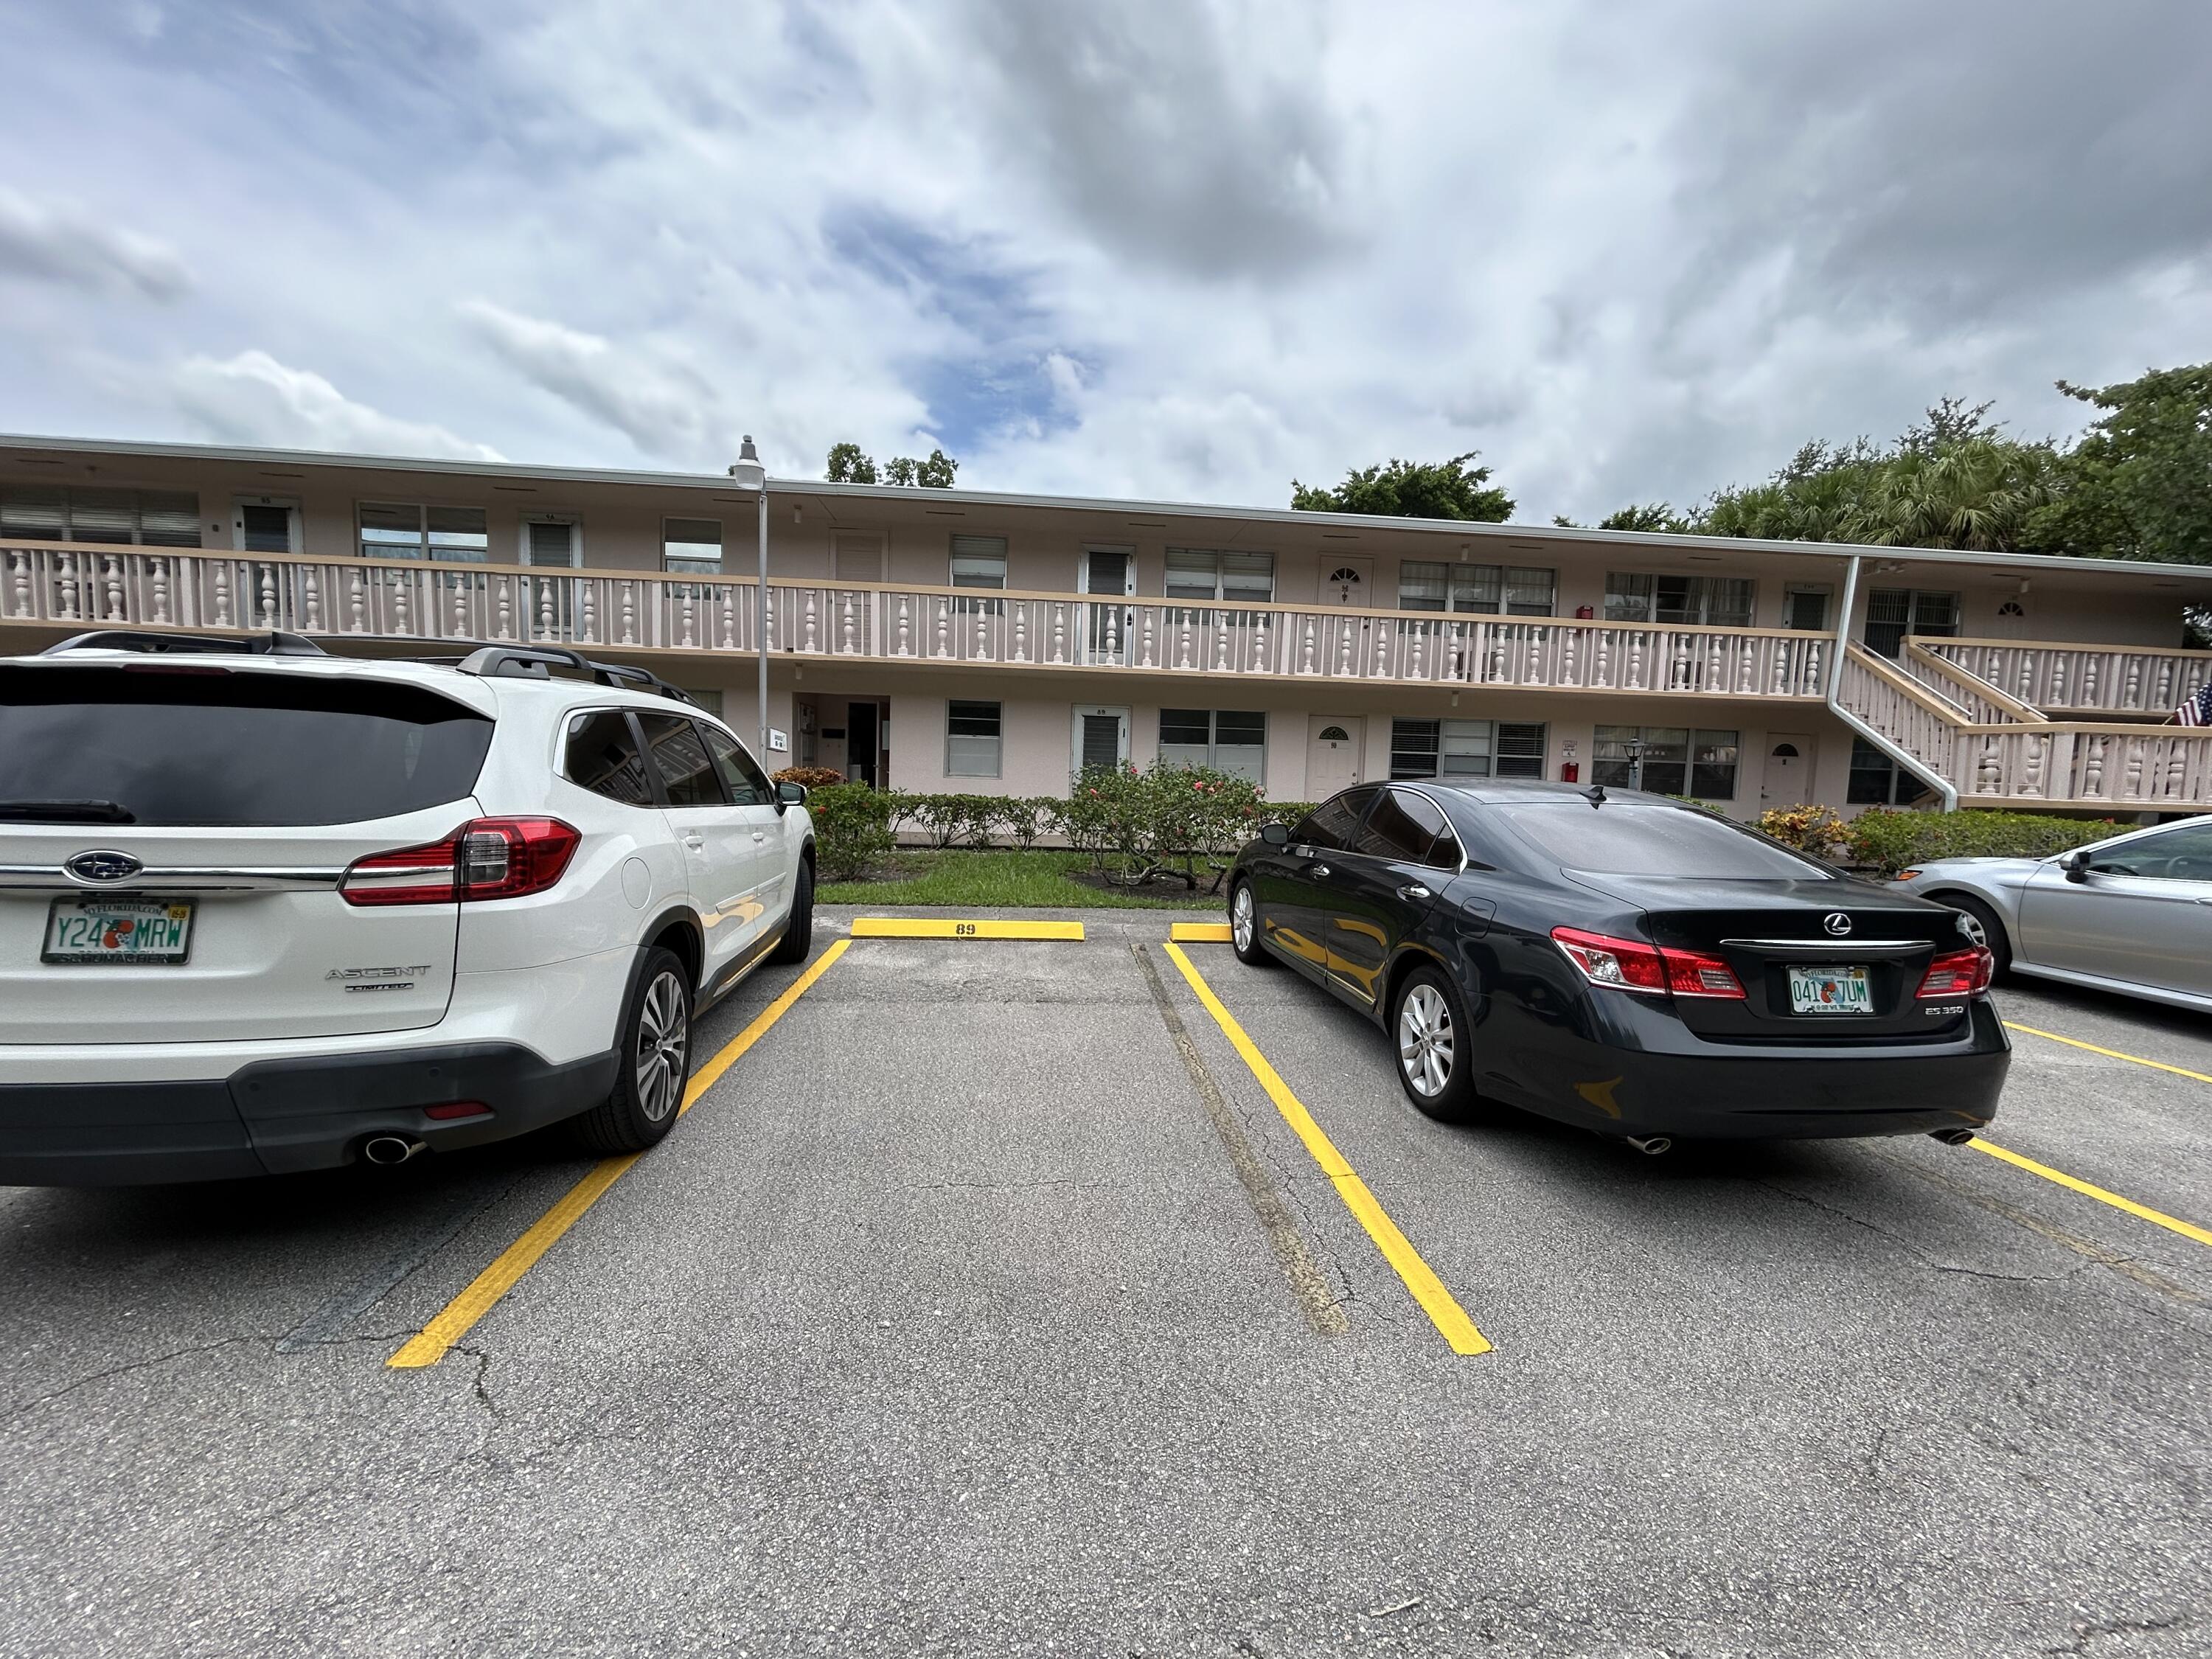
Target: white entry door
x,y
1332,755
264,524
1789,777
1102,737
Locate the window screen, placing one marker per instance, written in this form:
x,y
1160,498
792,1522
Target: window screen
x,y
145,518
691,547
402,529
972,739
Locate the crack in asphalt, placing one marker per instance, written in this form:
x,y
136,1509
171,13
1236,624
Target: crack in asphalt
x,y
1323,1311
86,1382
2084,1634
1911,1250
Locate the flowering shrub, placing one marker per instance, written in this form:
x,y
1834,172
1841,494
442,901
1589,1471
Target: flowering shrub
x,y
852,828
1185,822
814,777
1815,829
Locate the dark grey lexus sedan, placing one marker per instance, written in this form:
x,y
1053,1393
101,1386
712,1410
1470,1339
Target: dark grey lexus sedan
x,y
1626,963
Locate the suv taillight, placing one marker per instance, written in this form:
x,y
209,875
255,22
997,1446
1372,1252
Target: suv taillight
x,y
1630,964
484,859
1958,974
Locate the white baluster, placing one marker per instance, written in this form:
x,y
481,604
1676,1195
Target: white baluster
x,y
1811,668
19,585
1059,631
944,613
310,594
158,569
503,607
1148,661
808,631
629,613
222,592
1221,639
1182,650
265,587
904,629
1344,647
846,641
1306,660
1021,630
1259,663
1414,665
587,609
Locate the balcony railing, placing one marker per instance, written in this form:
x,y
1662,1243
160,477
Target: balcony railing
x,y
2129,766
644,611
2080,679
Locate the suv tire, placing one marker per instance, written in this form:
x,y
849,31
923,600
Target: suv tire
x,y
799,926
653,1061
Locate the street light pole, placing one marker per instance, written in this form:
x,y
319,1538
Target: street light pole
x,y
751,474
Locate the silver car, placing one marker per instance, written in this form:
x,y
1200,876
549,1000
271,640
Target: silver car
x,y
2131,914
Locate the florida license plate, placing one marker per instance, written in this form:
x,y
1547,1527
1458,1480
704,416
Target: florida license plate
x,y
142,932
1830,991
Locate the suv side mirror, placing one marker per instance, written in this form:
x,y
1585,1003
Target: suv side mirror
x,y
2076,866
791,795
1275,835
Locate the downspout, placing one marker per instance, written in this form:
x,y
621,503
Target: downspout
x,y
1944,788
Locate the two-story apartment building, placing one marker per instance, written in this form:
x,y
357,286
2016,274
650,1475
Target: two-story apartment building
x,y
965,640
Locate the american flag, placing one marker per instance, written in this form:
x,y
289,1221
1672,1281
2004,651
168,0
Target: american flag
x,y
2197,711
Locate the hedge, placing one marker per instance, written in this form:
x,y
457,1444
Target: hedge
x,y
1887,839
1177,822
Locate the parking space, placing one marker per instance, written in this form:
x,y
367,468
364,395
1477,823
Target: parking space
x,y
989,1300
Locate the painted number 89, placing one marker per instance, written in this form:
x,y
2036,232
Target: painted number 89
x,y
963,930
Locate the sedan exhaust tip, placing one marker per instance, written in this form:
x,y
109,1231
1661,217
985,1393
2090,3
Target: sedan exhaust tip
x,y
385,1151
1650,1146
1952,1137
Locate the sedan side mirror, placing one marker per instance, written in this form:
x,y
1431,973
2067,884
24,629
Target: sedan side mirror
x,y
791,795
1275,835
2076,866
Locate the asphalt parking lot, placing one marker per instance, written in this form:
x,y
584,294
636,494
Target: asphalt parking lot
x,y
988,1301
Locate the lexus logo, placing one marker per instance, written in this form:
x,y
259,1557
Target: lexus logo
x,y
1837,923
103,866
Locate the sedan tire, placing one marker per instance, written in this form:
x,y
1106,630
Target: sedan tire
x,y
1431,1037
1993,930
653,1052
1244,927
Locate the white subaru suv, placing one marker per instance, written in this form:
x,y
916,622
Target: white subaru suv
x,y
263,910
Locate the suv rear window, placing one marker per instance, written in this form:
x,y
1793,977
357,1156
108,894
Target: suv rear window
x,y
208,746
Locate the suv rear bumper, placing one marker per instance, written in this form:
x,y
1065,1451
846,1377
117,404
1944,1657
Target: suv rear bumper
x,y
280,1116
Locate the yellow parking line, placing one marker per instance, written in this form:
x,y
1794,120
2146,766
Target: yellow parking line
x,y
2172,1224
459,1317
2109,1054
1199,932
1449,1317
913,928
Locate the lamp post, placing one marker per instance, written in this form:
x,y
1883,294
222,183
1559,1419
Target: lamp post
x,y
751,474
1635,747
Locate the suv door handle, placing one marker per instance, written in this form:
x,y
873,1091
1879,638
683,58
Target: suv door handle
x,y
694,842
760,835
1413,889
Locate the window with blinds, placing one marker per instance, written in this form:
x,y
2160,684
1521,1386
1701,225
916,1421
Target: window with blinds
x,y
1477,589
1688,601
979,561
120,518
1465,749
1227,739
973,739
552,542
1894,612
858,557
1198,573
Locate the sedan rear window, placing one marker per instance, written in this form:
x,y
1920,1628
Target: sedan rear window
x,y
202,746
1623,839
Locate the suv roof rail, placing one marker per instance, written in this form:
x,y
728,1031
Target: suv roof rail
x,y
274,643
533,662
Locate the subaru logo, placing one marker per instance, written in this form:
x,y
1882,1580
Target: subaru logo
x,y
1837,923
103,866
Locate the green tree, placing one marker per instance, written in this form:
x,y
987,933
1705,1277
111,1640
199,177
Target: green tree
x,y
847,464
1652,516
1413,490
2138,485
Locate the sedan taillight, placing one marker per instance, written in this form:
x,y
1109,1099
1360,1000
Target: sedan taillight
x,y
1630,964
484,859
1958,974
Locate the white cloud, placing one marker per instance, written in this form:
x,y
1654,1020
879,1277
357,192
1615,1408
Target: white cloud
x,y
64,245
667,411
253,399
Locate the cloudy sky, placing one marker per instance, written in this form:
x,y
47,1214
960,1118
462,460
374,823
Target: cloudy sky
x,y
1162,248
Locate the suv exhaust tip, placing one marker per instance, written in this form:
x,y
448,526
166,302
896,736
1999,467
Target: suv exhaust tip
x,y
1650,1145
384,1150
1952,1137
